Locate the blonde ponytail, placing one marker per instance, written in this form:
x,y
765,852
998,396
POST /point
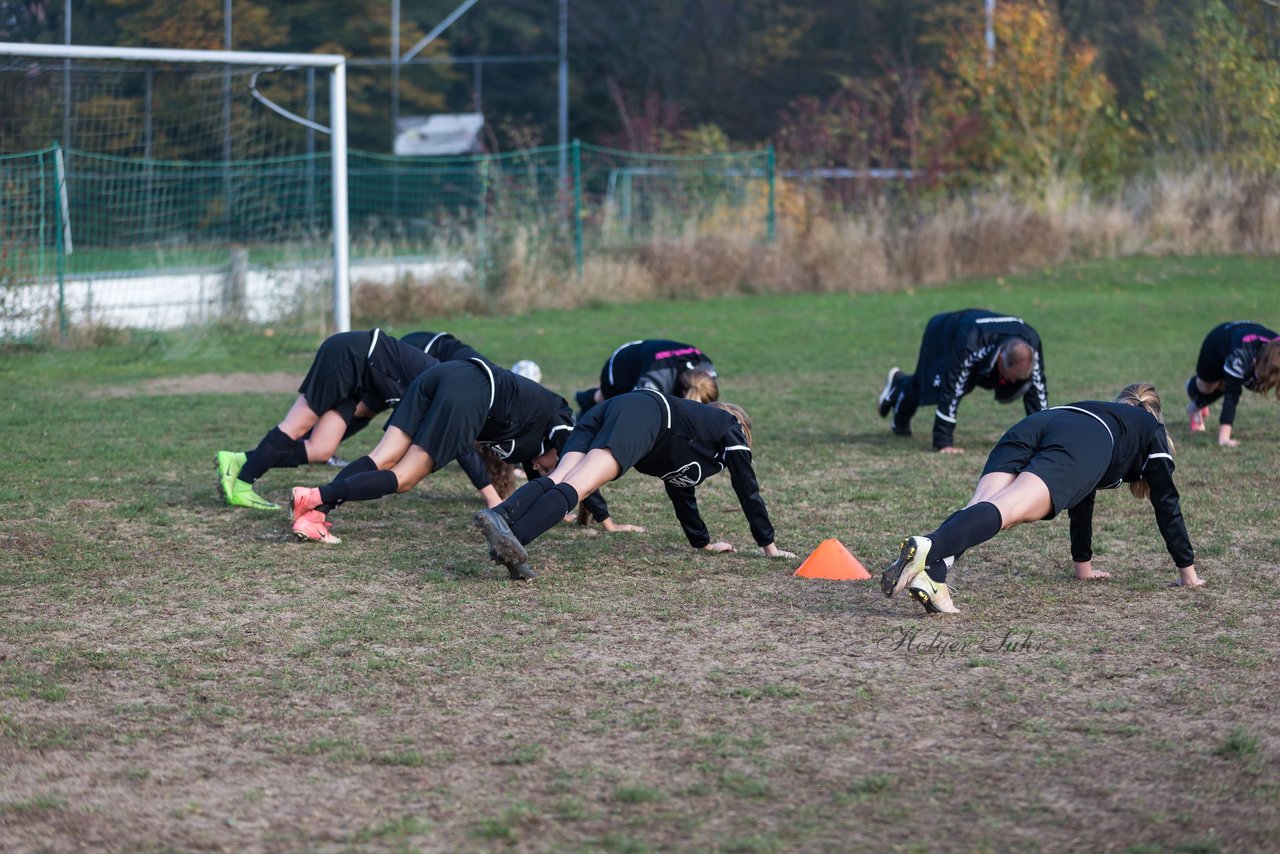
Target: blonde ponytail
x,y
1145,396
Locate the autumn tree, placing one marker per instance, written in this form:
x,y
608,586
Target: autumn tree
x,y
1038,108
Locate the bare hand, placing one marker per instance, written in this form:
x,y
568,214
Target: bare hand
x,y
718,547
1086,572
951,449
1187,578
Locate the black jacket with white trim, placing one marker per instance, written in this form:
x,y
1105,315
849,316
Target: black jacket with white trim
x,y
1139,450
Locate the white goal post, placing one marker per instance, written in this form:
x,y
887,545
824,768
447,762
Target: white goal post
x,y
337,130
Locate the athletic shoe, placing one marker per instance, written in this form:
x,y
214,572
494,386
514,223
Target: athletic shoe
x,y
304,500
1197,416
912,559
933,595
242,495
336,462
519,572
503,543
311,525
885,402
229,464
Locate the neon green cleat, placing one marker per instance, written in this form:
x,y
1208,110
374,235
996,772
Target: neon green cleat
x,y
229,464
242,495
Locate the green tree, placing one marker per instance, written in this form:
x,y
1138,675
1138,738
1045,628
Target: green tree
x,y
1219,94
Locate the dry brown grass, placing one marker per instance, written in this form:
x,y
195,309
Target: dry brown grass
x,y
995,232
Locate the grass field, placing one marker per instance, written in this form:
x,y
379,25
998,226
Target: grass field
x,y
180,675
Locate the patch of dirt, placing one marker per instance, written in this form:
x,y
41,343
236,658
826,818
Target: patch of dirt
x,y
273,383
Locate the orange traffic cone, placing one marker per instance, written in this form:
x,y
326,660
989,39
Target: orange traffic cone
x,y
833,561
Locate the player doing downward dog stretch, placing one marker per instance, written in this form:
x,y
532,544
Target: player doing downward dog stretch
x,y
683,442
666,366
354,376
1233,357
446,409
961,351
1052,461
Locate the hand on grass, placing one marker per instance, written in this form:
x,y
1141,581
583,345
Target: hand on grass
x,y
1086,572
1187,577
614,528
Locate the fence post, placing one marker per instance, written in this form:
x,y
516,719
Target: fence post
x,y
482,225
233,289
771,225
577,205
61,218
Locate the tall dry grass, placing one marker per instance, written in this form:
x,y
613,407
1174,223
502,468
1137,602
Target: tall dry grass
x,y
1172,212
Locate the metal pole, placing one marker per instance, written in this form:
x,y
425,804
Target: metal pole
x,y
990,7
563,136
341,236
66,79
226,122
395,72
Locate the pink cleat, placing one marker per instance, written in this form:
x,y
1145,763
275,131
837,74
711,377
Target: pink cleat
x,y
305,499
311,525
1197,416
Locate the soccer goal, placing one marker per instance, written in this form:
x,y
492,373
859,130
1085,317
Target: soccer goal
x,y
156,188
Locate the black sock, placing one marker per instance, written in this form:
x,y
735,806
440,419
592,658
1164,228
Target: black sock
x,y
546,512
295,456
522,500
937,569
1201,399
364,486
359,465
273,448
965,529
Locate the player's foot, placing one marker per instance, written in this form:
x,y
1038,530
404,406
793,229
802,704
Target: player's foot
x,y
912,559
1197,415
228,464
519,572
304,500
501,540
904,432
337,462
242,495
885,401
933,595
311,525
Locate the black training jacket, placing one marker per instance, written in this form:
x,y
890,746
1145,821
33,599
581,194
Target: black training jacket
x,y
653,364
975,336
1139,449
699,441
1238,346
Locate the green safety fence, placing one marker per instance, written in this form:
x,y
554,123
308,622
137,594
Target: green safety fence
x,y
81,231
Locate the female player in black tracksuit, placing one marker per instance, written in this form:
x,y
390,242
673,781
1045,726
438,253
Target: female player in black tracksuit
x,y
1052,461
666,366
1233,357
354,376
961,351
446,409
681,441
443,346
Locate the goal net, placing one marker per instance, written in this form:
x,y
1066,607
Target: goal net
x,y
159,188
